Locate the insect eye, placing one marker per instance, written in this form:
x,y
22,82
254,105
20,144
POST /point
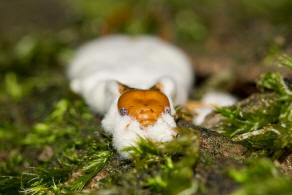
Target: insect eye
x,y
123,111
167,110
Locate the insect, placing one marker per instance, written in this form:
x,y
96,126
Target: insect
x,y
135,83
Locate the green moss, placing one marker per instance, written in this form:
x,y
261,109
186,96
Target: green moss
x,y
266,124
69,141
169,165
261,177
67,132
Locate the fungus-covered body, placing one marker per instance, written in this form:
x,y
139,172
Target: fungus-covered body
x,y
134,82
127,130
146,106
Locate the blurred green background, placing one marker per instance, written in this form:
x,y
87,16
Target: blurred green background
x,y
237,39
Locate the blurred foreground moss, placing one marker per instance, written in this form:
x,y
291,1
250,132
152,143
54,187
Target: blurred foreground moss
x,y
170,166
267,123
260,176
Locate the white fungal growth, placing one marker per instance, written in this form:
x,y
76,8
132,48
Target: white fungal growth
x,y
126,130
138,62
211,100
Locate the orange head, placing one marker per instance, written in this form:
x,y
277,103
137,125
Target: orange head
x,y
145,106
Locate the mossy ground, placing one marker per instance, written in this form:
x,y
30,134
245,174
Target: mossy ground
x,y
50,142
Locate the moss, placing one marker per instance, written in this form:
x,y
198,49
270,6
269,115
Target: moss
x,y
260,176
217,155
263,121
80,154
174,160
